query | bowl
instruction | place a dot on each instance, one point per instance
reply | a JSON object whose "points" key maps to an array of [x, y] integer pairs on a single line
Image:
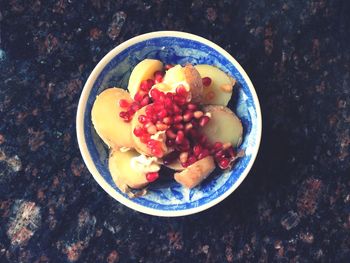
{"points": [[171, 47]]}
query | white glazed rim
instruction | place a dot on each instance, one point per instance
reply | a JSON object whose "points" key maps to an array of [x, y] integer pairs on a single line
{"points": [[81, 136]]}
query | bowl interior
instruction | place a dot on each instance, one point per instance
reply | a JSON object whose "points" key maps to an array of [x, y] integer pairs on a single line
{"points": [[167, 196]]}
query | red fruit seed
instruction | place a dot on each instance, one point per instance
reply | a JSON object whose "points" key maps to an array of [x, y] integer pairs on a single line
{"points": [[151, 177], [206, 81], [124, 103]]}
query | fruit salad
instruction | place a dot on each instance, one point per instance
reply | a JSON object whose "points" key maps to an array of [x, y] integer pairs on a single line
{"points": [[173, 116]]}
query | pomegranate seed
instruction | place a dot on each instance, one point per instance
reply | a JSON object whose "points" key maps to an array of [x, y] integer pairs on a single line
{"points": [[170, 142], [197, 149], [146, 85], [178, 126], [157, 152], [181, 90], [143, 119], [179, 137], [144, 101], [185, 145], [191, 160], [168, 66], [206, 81], [161, 126], [191, 106], [217, 146], [224, 163], [124, 115], [152, 129], [149, 111], [187, 116], [203, 121], [139, 95], [162, 114], [169, 133], [135, 106], [176, 109], [155, 94], [188, 127], [179, 100], [177, 118], [151, 177], [138, 131], [161, 97], [167, 120], [203, 154], [171, 157], [124, 103], [183, 157], [158, 76], [168, 103], [220, 155], [197, 114]]}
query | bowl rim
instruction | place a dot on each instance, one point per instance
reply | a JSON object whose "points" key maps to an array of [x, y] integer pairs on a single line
{"points": [[81, 135]]}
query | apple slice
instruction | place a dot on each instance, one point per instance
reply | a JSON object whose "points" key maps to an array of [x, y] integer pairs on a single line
{"points": [[140, 146], [219, 91], [122, 172], [187, 76], [143, 71], [224, 126], [105, 117], [194, 174]]}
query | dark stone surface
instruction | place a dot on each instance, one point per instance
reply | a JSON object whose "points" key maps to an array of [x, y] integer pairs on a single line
{"points": [[293, 207]]}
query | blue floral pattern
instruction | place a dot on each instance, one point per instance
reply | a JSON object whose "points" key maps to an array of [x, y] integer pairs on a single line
{"points": [[173, 50]]}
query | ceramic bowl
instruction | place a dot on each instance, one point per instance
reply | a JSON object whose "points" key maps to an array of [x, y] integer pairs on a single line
{"points": [[171, 47]]}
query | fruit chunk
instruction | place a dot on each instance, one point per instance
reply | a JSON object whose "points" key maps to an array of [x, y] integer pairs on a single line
{"points": [[219, 91], [175, 165], [105, 117], [196, 173], [224, 126], [187, 76], [140, 146], [122, 172], [143, 71]]}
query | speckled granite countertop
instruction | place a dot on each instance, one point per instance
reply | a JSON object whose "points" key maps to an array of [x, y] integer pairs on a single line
{"points": [[293, 207]]}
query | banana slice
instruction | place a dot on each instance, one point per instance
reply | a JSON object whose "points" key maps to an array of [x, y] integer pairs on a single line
{"points": [[122, 172], [219, 92], [224, 126], [194, 174], [105, 117], [143, 71]]}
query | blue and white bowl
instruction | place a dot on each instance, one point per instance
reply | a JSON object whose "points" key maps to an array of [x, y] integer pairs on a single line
{"points": [[171, 47]]}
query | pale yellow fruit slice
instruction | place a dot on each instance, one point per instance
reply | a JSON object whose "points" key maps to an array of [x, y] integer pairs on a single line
{"points": [[224, 126], [140, 146], [194, 174], [187, 76], [143, 71], [219, 92], [105, 117], [122, 172]]}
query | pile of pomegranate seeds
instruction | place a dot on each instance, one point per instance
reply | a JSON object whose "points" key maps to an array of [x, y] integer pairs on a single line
{"points": [[180, 120]]}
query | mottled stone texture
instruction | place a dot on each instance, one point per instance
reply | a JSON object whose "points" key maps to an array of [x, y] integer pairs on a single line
{"points": [[293, 207]]}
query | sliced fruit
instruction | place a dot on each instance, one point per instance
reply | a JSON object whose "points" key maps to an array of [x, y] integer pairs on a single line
{"points": [[142, 147], [194, 174], [143, 71], [224, 126], [187, 76], [122, 172], [105, 117], [175, 165], [218, 90]]}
